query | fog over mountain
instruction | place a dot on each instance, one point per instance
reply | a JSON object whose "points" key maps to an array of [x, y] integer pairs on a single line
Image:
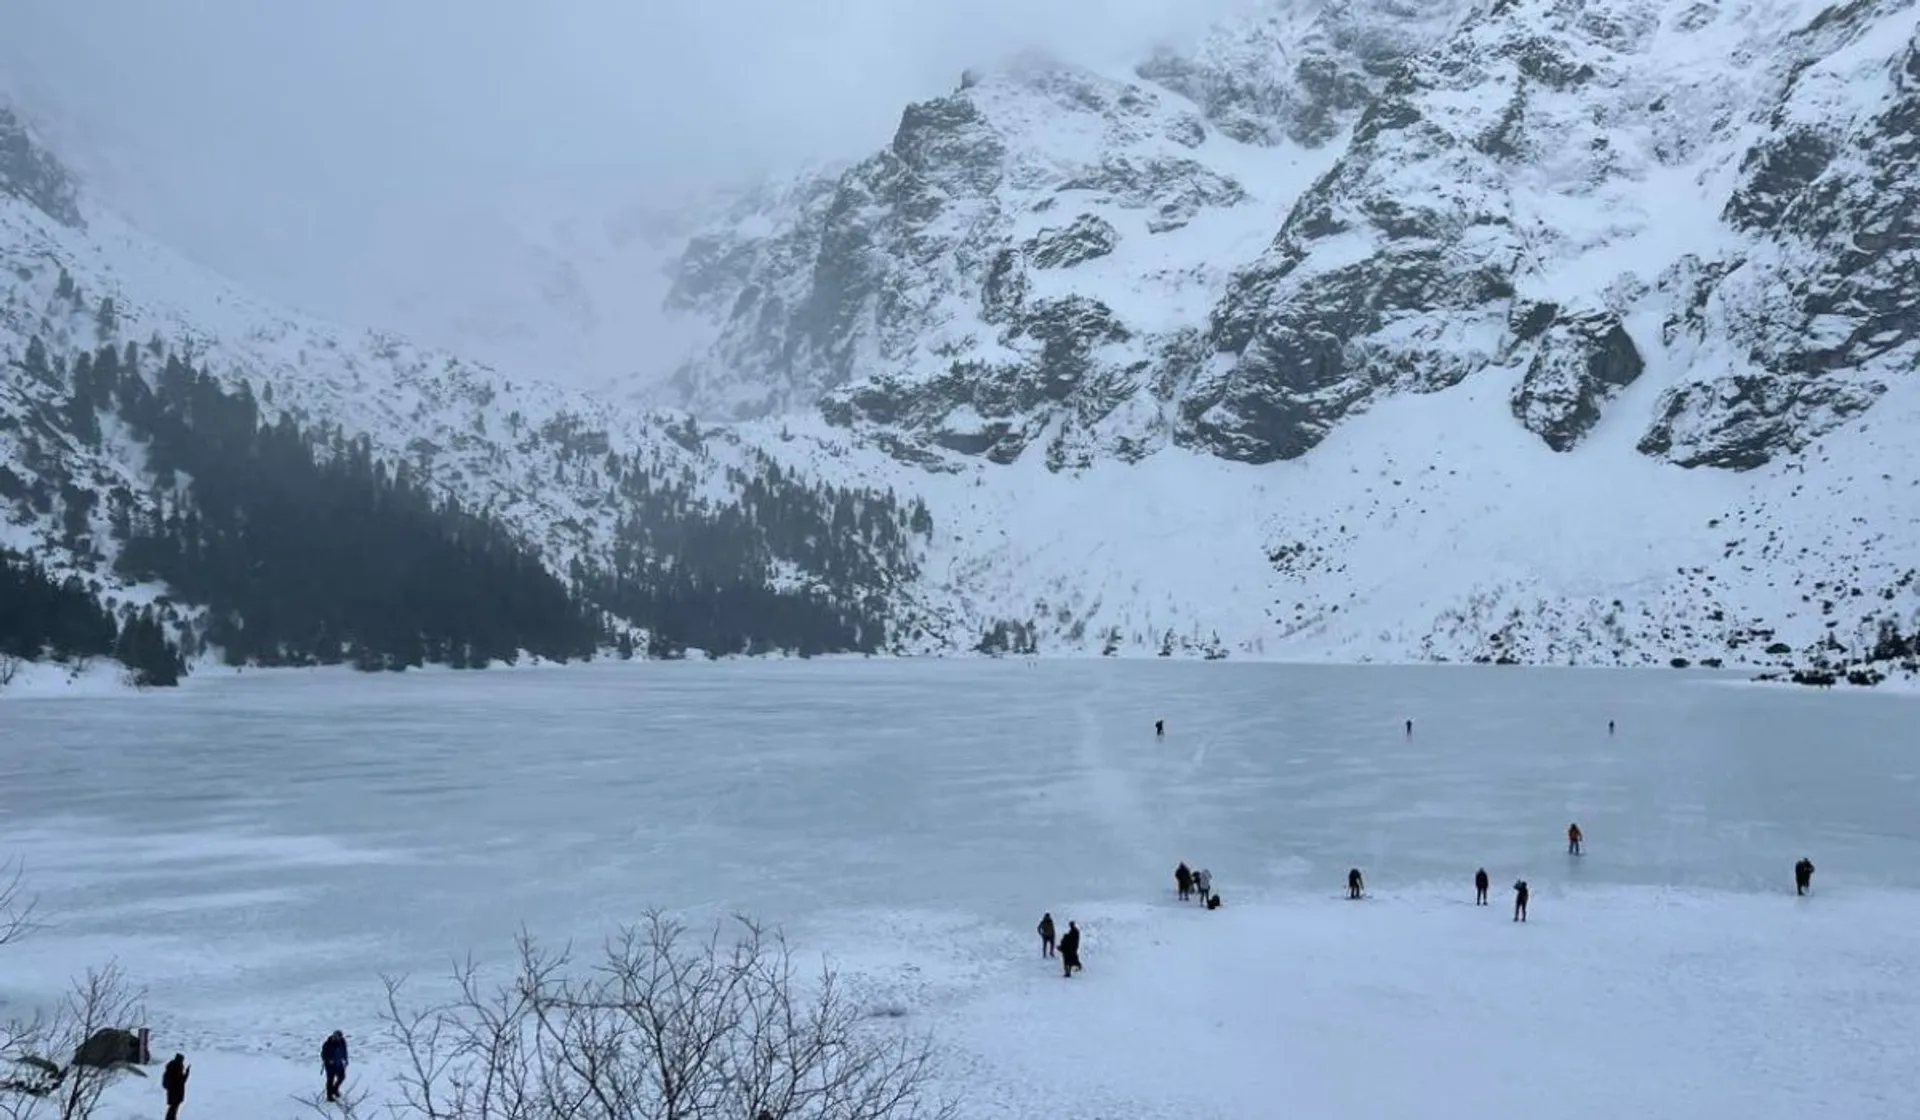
{"points": [[411, 165]]}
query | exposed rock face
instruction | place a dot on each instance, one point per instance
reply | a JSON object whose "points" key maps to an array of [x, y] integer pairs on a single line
{"points": [[1395, 271], [1826, 304], [1742, 421], [1300, 71], [917, 289], [1089, 237], [1330, 205], [1579, 363]]}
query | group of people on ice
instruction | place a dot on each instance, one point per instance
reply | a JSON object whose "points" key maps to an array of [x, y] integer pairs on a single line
{"points": [[1189, 883], [333, 1062], [1357, 886], [1067, 949]]}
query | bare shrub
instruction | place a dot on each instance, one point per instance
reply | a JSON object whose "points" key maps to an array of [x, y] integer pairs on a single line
{"points": [[54, 1072], [663, 1026]]}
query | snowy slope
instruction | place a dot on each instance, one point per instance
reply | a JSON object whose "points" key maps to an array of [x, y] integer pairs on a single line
{"points": [[1415, 532]]}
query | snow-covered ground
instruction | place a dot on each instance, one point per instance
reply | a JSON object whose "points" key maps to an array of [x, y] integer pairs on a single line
{"points": [[258, 849]]}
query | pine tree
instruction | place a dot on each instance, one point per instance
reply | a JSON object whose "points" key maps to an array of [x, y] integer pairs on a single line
{"points": [[36, 363]]}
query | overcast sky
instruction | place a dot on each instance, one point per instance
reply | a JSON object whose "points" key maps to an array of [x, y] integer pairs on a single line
{"points": [[292, 142]]}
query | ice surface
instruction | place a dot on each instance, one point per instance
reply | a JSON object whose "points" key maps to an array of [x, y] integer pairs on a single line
{"points": [[257, 850]]}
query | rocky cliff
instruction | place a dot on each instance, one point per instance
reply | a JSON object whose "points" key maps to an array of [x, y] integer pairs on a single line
{"points": [[1237, 247]]}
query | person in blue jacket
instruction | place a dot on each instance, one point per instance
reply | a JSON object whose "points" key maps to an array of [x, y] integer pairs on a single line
{"points": [[333, 1058]]}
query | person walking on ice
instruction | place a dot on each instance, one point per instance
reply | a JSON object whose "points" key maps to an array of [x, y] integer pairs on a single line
{"points": [[1355, 885], [1803, 876], [1203, 882], [1046, 935], [1183, 881], [173, 1080], [1480, 887], [1520, 893], [333, 1059], [1573, 839], [1160, 728], [1070, 951]]}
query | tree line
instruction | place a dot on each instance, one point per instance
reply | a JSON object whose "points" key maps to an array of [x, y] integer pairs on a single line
{"points": [[42, 617], [300, 546], [306, 552]]}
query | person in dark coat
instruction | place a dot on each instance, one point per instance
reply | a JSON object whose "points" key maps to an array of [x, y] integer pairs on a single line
{"points": [[1480, 887], [1355, 885], [1803, 876], [333, 1059], [1183, 880], [1520, 893], [1574, 837], [1409, 727], [1070, 951], [173, 1080], [1046, 934], [1160, 727]]}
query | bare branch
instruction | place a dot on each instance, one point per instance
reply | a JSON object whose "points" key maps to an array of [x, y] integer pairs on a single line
{"points": [[665, 1025], [349, 1106], [16, 907]]}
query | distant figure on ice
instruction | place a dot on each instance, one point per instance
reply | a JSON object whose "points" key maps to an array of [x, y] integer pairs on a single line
{"points": [[1183, 881], [1213, 902], [1609, 727], [1520, 893], [1203, 882], [174, 1081], [1573, 839], [333, 1059], [1409, 727], [1046, 935], [1803, 876], [1159, 727], [1070, 951], [1480, 887], [1355, 885]]}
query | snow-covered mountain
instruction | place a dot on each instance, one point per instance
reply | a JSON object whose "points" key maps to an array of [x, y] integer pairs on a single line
{"points": [[1537, 330], [1567, 291], [587, 484], [1236, 251]]}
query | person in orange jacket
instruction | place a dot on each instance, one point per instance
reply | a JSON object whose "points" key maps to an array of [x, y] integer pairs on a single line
{"points": [[1573, 839]]}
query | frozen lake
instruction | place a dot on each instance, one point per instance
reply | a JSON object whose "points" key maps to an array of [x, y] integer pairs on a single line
{"points": [[258, 849]]}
